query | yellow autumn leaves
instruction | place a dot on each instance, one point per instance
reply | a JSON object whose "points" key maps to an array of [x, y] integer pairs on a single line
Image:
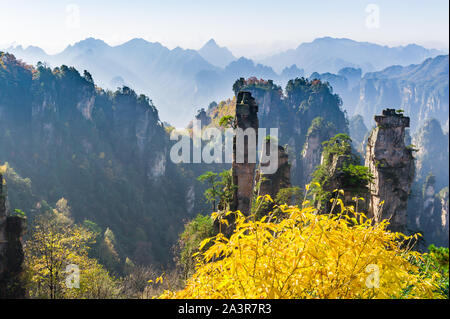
{"points": [[157, 280], [308, 255]]}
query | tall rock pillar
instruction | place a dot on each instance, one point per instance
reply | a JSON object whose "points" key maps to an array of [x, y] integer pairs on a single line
{"points": [[244, 172], [392, 165]]}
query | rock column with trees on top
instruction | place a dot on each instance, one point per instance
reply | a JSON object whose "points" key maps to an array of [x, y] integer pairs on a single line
{"points": [[391, 163]]}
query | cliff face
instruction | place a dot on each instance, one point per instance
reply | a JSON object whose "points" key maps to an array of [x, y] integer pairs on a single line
{"points": [[429, 212], [444, 229], [358, 132], [434, 218], [421, 90], [311, 156], [11, 252], [427, 206], [392, 166], [432, 152], [271, 184], [105, 152]]}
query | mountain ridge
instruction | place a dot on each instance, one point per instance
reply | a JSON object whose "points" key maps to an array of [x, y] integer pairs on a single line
{"points": [[343, 50], [215, 54], [180, 80]]}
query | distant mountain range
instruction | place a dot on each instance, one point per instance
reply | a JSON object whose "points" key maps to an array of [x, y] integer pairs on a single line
{"points": [[168, 76], [331, 54], [182, 80]]}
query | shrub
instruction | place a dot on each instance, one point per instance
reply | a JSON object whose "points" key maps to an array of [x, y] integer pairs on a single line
{"points": [[194, 233], [309, 255]]}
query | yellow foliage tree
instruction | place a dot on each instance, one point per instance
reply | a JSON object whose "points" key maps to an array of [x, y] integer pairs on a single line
{"points": [[56, 243], [308, 255]]}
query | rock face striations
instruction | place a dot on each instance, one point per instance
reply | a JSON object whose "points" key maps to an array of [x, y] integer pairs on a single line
{"points": [[11, 253], [432, 152], [428, 213], [319, 131], [392, 165], [271, 184]]}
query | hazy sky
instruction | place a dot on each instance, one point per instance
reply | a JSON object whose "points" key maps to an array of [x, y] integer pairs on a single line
{"points": [[247, 27]]}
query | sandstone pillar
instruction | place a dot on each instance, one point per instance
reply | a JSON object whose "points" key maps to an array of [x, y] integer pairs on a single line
{"points": [[392, 165], [244, 173]]}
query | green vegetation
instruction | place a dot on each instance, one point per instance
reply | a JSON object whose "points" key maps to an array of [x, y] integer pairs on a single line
{"points": [[436, 260], [220, 191], [195, 231], [19, 213], [289, 196], [254, 84], [20, 194], [318, 124], [311, 93], [226, 121], [213, 192], [358, 175], [351, 175]]}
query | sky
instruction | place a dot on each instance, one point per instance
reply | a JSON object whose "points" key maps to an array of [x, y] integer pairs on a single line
{"points": [[247, 27]]}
